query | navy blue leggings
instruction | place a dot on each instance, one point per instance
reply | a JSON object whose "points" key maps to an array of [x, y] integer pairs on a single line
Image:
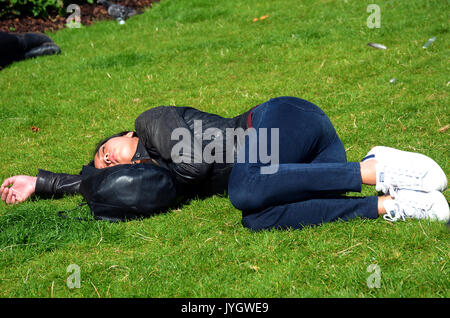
{"points": [[306, 185]]}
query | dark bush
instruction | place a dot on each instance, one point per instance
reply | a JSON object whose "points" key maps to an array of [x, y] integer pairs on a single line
{"points": [[35, 8]]}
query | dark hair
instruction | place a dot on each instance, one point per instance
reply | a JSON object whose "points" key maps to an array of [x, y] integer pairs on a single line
{"points": [[103, 141]]}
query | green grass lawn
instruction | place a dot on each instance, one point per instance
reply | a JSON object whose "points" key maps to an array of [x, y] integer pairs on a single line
{"points": [[210, 55]]}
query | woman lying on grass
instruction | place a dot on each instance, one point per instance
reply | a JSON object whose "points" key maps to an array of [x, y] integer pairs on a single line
{"points": [[301, 183]]}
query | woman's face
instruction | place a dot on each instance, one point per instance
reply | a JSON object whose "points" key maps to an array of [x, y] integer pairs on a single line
{"points": [[116, 151]]}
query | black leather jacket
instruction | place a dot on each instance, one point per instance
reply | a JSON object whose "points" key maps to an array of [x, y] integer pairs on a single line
{"points": [[154, 128]]}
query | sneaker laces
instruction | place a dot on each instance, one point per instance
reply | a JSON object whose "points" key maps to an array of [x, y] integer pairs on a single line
{"points": [[403, 178], [392, 191], [402, 209], [388, 189]]}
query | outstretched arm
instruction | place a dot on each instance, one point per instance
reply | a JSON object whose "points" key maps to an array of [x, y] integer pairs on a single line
{"points": [[50, 183], [19, 188]]}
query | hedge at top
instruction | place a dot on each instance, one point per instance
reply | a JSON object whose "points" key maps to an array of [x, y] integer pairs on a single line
{"points": [[35, 8]]}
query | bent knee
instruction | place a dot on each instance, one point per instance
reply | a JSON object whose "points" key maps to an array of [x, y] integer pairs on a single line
{"points": [[238, 194], [242, 192]]}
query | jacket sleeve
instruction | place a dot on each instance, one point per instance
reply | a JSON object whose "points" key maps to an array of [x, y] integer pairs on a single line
{"points": [[156, 127], [49, 183]]}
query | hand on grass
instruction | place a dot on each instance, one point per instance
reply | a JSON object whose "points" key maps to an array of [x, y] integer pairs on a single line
{"points": [[22, 187]]}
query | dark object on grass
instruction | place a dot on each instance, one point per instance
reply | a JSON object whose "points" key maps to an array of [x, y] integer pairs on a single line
{"points": [[117, 11], [48, 48], [17, 47], [32, 40]]}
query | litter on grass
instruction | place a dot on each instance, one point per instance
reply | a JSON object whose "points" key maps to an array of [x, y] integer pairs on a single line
{"points": [[377, 46], [444, 128], [429, 42], [261, 18], [392, 80]]}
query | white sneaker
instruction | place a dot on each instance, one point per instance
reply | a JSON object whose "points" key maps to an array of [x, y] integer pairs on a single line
{"points": [[417, 205], [396, 169]]}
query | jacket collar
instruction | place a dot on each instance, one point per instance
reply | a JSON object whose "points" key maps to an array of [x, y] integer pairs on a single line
{"points": [[141, 152]]}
